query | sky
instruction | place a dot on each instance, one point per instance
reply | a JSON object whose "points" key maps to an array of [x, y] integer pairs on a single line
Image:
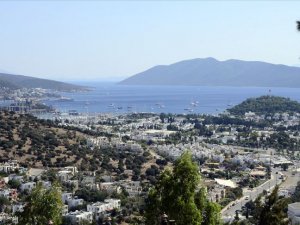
{"points": [[112, 40]]}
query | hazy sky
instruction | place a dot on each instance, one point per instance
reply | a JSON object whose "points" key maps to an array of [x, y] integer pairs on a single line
{"points": [[98, 40]]}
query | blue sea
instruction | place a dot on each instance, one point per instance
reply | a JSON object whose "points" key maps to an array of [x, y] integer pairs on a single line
{"points": [[111, 97]]}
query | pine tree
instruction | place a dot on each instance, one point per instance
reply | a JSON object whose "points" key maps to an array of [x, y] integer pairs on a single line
{"points": [[272, 213], [176, 195], [42, 206]]}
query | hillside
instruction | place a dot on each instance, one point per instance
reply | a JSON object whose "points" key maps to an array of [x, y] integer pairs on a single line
{"points": [[266, 104], [42, 143], [35, 142], [19, 81], [211, 72]]}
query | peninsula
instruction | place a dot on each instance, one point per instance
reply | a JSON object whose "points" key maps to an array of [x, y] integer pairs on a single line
{"points": [[211, 72]]}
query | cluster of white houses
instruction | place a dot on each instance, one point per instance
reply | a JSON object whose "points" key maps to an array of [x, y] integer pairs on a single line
{"points": [[94, 211], [88, 212]]}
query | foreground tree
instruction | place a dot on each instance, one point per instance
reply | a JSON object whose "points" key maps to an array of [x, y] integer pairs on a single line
{"points": [[176, 195], [269, 210], [42, 206], [274, 210]]}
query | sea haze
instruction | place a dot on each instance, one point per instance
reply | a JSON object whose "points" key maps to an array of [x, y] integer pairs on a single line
{"points": [[111, 97]]}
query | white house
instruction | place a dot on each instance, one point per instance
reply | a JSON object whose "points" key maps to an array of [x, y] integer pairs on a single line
{"points": [[132, 187], [74, 202], [99, 209], [79, 216], [9, 193], [27, 186], [64, 175], [294, 213], [66, 196], [9, 166], [113, 203], [17, 208], [65, 210], [46, 184], [72, 169]]}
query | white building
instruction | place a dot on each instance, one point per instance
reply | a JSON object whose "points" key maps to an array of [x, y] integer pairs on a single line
{"points": [[113, 203], [132, 187], [74, 202], [65, 210], [17, 208], [9, 166], [110, 187], [6, 218], [284, 193], [72, 169], [79, 216], [66, 196], [9, 193], [64, 175], [99, 209], [294, 213], [46, 184], [28, 186]]}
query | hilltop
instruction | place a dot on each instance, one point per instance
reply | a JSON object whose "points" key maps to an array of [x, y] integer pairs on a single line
{"points": [[211, 72], [265, 105], [11, 81]]}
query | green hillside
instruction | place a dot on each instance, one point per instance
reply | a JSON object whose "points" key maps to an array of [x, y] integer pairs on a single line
{"points": [[266, 104], [19, 81]]}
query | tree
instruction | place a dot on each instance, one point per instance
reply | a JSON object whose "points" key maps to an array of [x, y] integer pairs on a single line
{"points": [[298, 25], [296, 195], [175, 194], [285, 167], [4, 202], [212, 214], [273, 212], [42, 206], [14, 184]]}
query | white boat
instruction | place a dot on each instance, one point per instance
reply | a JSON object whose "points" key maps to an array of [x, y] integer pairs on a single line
{"points": [[64, 99]]}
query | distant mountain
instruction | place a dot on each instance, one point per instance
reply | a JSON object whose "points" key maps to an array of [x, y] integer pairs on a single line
{"points": [[211, 72], [266, 105], [20, 81]]}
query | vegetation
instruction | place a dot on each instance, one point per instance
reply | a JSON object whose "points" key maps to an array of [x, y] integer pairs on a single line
{"points": [[42, 206], [266, 210], [4, 202], [90, 195], [266, 104], [176, 195], [296, 195], [43, 143], [232, 194], [18, 82]]}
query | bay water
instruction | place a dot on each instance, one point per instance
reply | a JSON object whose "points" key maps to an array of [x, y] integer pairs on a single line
{"points": [[115, 98]]}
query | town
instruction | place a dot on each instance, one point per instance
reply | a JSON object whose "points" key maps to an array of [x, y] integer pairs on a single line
{"points": [[111, 162]]}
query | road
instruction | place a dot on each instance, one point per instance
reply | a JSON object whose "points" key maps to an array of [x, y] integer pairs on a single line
{"points": [[228, 212]]}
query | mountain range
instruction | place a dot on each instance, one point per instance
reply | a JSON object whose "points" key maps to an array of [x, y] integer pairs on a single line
{"points": [[19, 81], [211, 72]]}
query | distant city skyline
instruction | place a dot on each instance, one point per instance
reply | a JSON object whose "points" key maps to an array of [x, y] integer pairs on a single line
{"points": [[102, 40]]}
